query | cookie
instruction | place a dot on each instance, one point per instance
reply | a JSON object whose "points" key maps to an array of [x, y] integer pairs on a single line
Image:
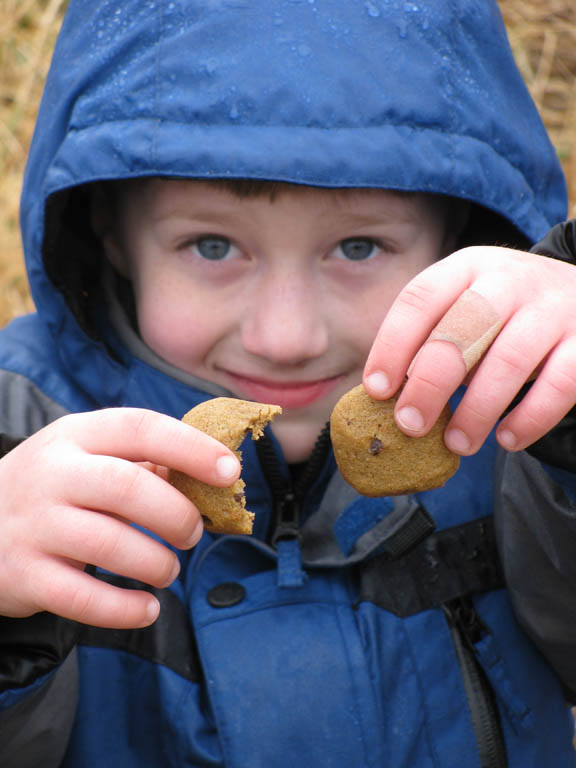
{"points": [[376, 458], [229, 420]]}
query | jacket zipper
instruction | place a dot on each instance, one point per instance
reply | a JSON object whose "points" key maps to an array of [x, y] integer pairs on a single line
{"points": [[287, 495], [466, 629]]}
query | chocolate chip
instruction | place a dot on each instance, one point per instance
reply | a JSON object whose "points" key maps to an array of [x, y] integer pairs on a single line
{"points": [[238, 498], [375, 446]]}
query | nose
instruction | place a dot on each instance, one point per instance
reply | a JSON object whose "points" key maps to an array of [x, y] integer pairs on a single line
{"points": [[286, 323]]}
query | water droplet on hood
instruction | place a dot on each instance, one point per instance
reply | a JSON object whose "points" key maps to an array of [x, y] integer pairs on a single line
{"points": [[402, 27], [372, 9], [210, 66]]}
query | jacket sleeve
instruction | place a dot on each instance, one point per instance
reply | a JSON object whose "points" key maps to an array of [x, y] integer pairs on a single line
{"points": [[38, 683], [559, 243], [558, 447], [536, 522], [535, 519], [38, 690]]}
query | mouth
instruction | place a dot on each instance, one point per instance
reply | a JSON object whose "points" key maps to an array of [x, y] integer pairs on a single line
{"points": [[287, 394]]}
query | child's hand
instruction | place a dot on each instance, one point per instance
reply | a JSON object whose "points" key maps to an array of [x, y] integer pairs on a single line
{"points": [[523, 303], [68, 497]]}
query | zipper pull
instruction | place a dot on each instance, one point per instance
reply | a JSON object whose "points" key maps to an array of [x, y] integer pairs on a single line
{"points": [[286, 540], [287, 516], [287, 499], [461, 615]]}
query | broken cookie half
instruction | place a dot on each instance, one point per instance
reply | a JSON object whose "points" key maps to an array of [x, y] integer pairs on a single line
{"points": [[228, 420]]}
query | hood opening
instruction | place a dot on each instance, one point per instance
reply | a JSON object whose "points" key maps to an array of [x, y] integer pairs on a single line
{"points": [[73, 256], [485, 227]]}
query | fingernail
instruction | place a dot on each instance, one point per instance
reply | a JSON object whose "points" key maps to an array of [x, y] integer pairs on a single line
{"points": [[411, 366], [378, 384], [173, 573], [152, 611], [507, 439], [196, 536], [457, 441], [227, 467], [175, 570], [410, 418]]}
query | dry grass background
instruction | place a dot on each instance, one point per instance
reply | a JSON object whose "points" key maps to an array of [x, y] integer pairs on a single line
{"points": [[542, 33]]}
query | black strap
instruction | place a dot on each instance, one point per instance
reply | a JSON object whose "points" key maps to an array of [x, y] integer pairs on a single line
{"points": [[32, 647], [169, 641], [413, 529], [452, 563]]}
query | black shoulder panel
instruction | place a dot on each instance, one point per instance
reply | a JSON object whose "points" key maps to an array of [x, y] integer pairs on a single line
{"points": [[452, 563]]}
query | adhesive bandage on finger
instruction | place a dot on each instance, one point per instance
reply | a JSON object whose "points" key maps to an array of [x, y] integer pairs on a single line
{"points": [[471, 324]]}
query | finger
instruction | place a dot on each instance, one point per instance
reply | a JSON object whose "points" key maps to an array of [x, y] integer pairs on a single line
{"points": [[413, 315], [75, 595], [156, 469], [452, 350], [140, 435], [550, 398], [471, 324], [131, 492], [103, 541], [517, 352], [437, 375]]}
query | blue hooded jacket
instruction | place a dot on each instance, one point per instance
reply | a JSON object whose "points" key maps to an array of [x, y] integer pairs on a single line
{"points": [[381, 93], [271, 655]]}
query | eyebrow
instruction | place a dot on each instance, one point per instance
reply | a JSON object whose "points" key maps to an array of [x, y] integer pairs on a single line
{"points": [[376, 218], [195, 213], [381, 212]]}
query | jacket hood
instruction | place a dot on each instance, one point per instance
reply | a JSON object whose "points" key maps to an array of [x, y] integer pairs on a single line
{"points": [[382, 93]]}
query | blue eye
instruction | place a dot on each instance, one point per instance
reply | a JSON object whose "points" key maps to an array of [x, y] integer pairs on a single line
{"points": [[213, 248], [357, 248]]}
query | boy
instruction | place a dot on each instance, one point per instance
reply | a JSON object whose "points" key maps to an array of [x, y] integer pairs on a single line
{"points": [[354, 147]]}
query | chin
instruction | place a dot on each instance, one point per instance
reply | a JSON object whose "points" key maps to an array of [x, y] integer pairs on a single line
{"points": [[296, 447], [296, 456]]}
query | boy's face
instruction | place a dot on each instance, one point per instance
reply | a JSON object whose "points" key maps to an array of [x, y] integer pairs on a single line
{"points": [[276, 300]]}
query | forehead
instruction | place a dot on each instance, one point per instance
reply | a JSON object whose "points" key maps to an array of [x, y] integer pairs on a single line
{"points": [[178, 195]]}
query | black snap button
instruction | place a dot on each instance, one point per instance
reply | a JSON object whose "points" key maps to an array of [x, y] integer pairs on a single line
{"points": [[225, 595]]}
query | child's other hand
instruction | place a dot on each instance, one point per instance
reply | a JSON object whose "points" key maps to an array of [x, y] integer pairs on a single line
{"points": [[69, 496], [524, 303]]}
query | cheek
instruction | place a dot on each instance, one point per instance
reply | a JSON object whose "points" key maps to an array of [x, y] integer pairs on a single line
{"points": [[366, 313], [380, 296], [367, 309], [176, 327]]}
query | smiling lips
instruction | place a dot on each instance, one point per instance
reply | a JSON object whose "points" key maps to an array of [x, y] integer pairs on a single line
{"points": [[296, 394]]}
